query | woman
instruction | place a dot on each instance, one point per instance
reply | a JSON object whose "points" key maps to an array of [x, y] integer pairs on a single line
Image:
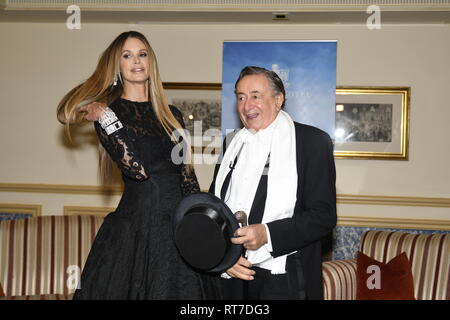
{"points": [[133, 255]]}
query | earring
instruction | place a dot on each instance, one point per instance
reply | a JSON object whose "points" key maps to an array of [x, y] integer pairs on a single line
{"points": [[115, 81]]}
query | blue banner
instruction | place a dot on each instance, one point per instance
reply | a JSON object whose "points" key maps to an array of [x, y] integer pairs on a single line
{"points": [[308, 71]]}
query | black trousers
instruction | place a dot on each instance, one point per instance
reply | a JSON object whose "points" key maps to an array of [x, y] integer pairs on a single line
{"points": [[267, 286]]}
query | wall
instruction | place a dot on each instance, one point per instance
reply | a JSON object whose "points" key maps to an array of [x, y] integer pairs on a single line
{"points": [[40, 62]]}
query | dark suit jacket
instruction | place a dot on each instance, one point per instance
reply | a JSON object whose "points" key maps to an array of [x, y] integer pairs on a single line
{"points": [[315, 210]]}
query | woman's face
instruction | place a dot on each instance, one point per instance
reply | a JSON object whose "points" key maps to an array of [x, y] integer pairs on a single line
{"points": [[134, 61]]}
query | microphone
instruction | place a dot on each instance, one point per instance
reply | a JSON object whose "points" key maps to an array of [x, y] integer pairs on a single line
{"points": [[241, 217]]}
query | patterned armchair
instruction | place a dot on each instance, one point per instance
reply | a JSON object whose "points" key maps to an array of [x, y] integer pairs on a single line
{"points": [[429, 255], [40, 257]]}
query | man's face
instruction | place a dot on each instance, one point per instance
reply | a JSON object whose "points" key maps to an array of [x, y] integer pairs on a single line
{"points": [[257, 104]]}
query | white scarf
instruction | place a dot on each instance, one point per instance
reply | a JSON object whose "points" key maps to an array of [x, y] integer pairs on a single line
{"points": [[278, 140]]}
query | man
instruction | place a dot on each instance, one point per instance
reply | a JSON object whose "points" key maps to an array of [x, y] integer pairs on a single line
{"points": [[282, 174]]}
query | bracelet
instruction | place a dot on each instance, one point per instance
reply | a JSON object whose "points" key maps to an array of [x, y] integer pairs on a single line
{"points": [[113, 127], [107, 118]]}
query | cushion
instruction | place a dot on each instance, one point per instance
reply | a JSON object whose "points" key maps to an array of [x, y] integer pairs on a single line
{"points": [[384, 281]]}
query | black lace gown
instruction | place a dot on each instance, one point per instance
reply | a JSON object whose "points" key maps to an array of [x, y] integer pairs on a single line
{"points": [[134, 255]]}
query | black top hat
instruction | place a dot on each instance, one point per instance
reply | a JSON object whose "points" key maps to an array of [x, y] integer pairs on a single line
{"points": [[203, 226]]}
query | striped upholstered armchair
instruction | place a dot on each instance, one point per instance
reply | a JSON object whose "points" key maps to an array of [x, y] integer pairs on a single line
{"points": [[41, 257], [429, 256]]}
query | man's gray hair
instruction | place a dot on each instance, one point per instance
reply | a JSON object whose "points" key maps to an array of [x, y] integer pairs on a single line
{"points": [[274, 80]]}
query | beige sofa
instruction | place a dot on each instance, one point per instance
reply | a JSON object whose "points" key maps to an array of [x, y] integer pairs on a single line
{"points": [[429, 255], [41, 257]]}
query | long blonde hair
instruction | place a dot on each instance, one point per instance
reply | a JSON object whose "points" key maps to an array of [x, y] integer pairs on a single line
{"points": [[99, 87]]}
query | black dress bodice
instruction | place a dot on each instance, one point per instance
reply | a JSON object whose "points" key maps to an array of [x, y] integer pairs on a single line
{"points": [[142, 147]]}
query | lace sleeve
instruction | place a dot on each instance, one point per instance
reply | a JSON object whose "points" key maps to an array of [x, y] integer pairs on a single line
{"points": [[189, 182], [122, 152]]}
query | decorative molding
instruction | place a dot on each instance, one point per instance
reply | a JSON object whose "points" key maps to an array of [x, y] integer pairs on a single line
{"points": [[395, 223], [33, 209], [228, 11], [80, 210], [192, 85], [226, 5], [118, 189], [393, 201], [61, 188], [381, 222]]}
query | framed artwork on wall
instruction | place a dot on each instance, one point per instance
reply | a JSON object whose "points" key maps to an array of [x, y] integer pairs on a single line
{"points": [[200, 104], [372, 123]]}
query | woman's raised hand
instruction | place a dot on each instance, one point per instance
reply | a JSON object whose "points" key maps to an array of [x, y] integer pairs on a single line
{"points": [[93, 110]]}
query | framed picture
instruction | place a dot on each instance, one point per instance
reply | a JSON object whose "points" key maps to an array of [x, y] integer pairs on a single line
{"points": [[372, 123], [200, 104]]}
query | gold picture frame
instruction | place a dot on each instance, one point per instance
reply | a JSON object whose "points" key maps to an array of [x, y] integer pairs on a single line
{"points": [[198, 101], [372, 123]]}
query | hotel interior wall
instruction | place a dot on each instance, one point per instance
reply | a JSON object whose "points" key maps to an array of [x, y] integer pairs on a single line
{"points": [[39, 62]]}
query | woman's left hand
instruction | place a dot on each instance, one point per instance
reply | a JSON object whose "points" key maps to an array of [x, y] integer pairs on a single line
{"points": [[93, 110]]}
